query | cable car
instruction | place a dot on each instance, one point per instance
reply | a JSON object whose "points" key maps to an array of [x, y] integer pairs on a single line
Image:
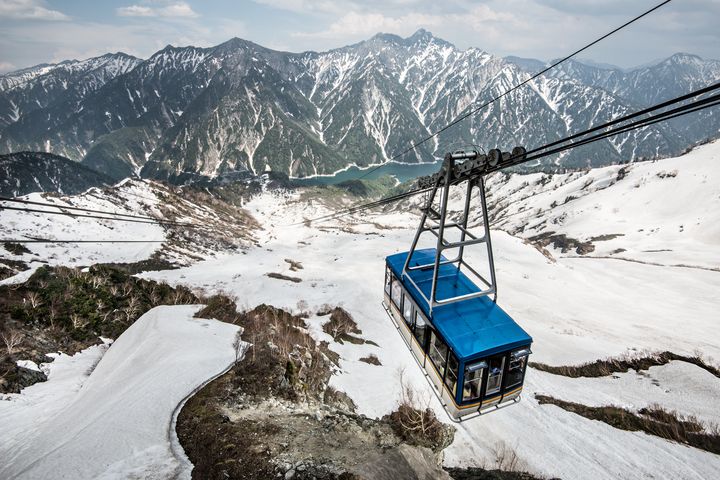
{"points": [[471, 351]]}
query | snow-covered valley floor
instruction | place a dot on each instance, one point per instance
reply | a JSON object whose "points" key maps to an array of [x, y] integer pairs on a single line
{"points": [[577, 309]]}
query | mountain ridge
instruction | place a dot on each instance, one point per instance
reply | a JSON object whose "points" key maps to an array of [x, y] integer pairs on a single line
{"points": [[28, 172], [189, 113]]}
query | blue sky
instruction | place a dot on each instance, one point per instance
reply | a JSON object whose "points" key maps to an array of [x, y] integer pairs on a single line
{"points": [[38, 31]]}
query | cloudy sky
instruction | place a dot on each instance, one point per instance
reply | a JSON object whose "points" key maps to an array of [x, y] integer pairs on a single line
{"points": [[39, 31]]}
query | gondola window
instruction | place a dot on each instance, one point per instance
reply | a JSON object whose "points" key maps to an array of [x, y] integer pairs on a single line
{"points": [[473, 380], [495, 375], [452, 371], [516, 370], [420, 329], [407, 310], [438, 353], [396, 292]]}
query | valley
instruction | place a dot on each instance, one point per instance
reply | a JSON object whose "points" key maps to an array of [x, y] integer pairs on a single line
{"points": [[612, 262]]}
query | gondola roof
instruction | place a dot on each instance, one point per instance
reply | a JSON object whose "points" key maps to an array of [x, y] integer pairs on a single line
{"points": [[473, 328]]}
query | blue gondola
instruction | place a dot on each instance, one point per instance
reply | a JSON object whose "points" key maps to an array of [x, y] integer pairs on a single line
{"points": [[471, 350]]}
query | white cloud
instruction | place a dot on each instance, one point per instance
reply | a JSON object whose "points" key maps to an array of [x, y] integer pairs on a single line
{"points": [[135, 11], [7, 67], [24, 45], [305, 6], [354, 24], [29, 10], [174, 10]]}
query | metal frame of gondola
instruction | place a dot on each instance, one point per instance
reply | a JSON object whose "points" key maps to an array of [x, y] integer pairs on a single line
{"points": [[435, 221]]}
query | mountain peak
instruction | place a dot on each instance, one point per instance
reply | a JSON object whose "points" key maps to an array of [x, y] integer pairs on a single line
{"points": [[387, 37], [421, 34], [425, 37], [682, 57]]}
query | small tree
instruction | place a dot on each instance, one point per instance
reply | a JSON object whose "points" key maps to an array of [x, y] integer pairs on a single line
{"points": [[97, 282], [127, 288], [34, 300], [53, 312], [12, 339], [77, 320], [133, 307]]}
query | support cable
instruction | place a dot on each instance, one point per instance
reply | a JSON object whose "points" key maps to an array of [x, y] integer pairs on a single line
{"points": [[81, 209]]}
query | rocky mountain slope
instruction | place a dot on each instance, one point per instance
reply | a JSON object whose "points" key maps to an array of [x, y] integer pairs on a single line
{"points": [[191, 113], [26, 172]]}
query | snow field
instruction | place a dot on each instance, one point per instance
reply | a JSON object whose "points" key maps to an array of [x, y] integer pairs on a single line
{"points": [[576, 309], [116, 422]]}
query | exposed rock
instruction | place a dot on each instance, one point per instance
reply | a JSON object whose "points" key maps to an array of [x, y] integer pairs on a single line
{"points": [[274, 416]]}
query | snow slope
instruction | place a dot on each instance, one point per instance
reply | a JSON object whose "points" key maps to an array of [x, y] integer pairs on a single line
{"points": [[577, 309], [216, 225], [118, 421], [666, 212]]}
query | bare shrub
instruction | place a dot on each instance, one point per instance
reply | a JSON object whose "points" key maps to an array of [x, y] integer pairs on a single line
{"points": [[372, 359], [303, 308], [12, 339], [341, 325], [77, 321], [506, 458], [416, 423], [133, 307], [33, 299]]}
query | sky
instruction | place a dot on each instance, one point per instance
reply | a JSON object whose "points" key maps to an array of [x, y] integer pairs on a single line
{"points": [[47, 31]]}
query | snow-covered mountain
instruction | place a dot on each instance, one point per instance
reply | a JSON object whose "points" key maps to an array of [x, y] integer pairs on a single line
{"points": [[36, 99], [189, 113]]}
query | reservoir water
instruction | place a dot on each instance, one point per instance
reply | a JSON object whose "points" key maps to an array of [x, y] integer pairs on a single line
{"points": [[402, 171]]}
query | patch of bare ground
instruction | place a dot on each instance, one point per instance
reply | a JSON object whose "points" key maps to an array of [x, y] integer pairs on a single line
{"points": [[280, 276], [219, 221], [154, 263], [16, 248], [372, 359], [562, 242], [294, 266], [653, 420], [6, 272], [342, 327], [609, 366], [273, 415], [474, 473]]}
